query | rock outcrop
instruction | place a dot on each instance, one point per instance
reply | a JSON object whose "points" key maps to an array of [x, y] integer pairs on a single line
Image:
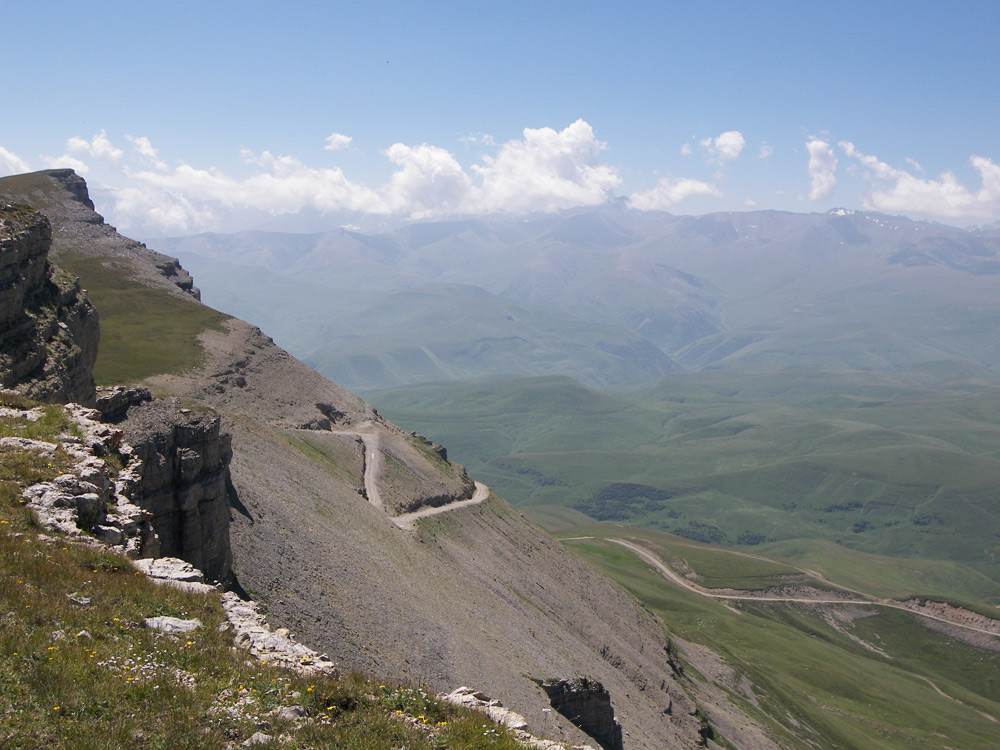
{"points": [[48, 328], [89, 498], [169, 499], [183, 482], [587, 704]]}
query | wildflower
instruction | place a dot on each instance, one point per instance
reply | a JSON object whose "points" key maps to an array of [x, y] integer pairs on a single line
{"points": [[56, 708]]}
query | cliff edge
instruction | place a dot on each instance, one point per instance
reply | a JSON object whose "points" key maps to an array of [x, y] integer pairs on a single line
{"points": [[48, 328]]}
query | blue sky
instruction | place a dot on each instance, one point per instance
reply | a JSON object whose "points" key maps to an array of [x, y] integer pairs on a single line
{"points": [[185, 116]]}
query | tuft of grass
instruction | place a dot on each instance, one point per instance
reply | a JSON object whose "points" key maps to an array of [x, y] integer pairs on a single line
{"points": [[16, 401], [144, 331], [53, 422]]}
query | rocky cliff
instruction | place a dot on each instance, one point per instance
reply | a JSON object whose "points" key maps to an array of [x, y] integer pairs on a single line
{"points": [[183, 482], [48, 328], [587, 704]]}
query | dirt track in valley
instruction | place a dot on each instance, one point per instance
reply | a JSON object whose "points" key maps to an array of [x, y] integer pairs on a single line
{"points": [[701, 591]]}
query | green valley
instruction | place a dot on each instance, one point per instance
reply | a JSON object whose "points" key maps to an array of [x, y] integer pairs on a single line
{"points": [[858, 675], [900, 464]]}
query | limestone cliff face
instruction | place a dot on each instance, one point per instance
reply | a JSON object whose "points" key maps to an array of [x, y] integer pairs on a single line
{"points": [[48, 328], [183, 482], [587, 704]]}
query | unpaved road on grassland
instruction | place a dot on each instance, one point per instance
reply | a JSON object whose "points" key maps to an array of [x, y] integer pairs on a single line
{"points": [[672, 576]]}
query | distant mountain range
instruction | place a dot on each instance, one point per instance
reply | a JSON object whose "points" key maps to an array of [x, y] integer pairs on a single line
{"points": [[612, 296]]}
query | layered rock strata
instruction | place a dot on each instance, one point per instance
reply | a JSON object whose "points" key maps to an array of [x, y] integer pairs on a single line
{"points": [[183, 482], [48, 328]]}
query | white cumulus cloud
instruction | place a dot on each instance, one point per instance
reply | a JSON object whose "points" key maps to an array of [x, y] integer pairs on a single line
{"points": [[670, 191], [99, 146], [284, 185], [725, 147], [546, 171], [429, 181], [144, 148], [898, 191], [66, 162], [822, 169], [162, 210], [337, 142], [11, 163]]}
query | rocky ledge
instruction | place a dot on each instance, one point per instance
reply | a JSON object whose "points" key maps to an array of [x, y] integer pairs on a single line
{"points": [[168, 498], [48, 328]]}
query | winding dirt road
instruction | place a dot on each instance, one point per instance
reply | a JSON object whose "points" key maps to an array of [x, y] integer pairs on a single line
{"points": [[374, 465], [872, 601], [407, 520]]}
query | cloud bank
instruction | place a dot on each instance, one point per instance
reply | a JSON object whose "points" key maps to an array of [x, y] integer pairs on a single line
{"points": [[543, 170], [898, 191], [669, 192]]}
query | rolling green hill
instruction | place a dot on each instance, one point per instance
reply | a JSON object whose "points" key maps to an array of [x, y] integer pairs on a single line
{"points": [[902, 464]]}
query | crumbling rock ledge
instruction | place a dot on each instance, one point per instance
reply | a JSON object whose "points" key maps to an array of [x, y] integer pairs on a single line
{"points": [[494, 709], [88, 498], [170, 498], [252, 632], [48, 328]]}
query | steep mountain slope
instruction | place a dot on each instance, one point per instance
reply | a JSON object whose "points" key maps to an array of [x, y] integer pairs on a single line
{"points": [[474, 595]]}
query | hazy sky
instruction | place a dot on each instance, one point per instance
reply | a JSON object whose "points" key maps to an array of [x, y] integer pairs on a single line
{"points": [[200, 115]]}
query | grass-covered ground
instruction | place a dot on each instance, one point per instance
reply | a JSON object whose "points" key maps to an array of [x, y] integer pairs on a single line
{"points": [[819, 676], [79, 670], [144, 331], [903, 464]]}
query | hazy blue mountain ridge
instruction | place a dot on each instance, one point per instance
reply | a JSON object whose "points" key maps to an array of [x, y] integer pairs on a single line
{"points": [[612, 295]]}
